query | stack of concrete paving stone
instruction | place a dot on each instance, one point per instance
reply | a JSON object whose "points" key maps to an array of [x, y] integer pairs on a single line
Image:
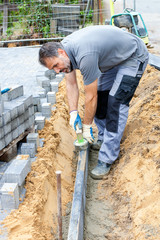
{"points": [[12, 181], [16, 115], [30, 147], [46, 97]]}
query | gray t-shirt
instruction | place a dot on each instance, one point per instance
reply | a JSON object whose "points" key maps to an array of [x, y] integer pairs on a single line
{"points": [[97, 49]]}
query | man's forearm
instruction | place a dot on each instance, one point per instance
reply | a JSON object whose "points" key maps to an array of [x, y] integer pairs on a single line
{"points": [[90, 110], [90, 102], [72, 91]]}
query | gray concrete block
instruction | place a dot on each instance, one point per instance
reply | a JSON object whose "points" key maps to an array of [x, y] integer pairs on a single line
{"points": [[42, 94], [9, 196], [40, 122], [15, 133], [31, 121], [17, 171], [21, 119], [8, 138], [50, 74], [48, 89], [43, 100], [43, 82], [1, 133], [33, 138], [3, 167], [6, 116], [26, 124], [28, 149], [39, 79], [23, 157], [21, 108], [26, 115], [37, 114], [22, 195], [7, 128], [1, 122], [14, 124], [36, 99], [14, 93], [21, 129], [2, 143], [1, 107], [59, 77], [31, 110], [54, 86], [27, 100], [51, 97], [46, 110], [12, 107]]}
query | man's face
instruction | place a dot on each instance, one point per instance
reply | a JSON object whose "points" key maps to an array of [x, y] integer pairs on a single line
{"points": [[60, 63]]}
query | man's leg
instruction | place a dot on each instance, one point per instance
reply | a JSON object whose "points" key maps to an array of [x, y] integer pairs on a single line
{"points": [[105, 83], [122, 91]]}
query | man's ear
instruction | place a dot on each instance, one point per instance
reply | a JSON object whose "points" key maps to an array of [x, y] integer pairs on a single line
{"points": [[61, 52]]}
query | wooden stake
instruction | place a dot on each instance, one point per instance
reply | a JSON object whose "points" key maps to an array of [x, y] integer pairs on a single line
{"points": [[58, 174]]}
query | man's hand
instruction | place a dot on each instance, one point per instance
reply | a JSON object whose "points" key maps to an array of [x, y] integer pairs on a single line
{"points": [[88, 133], [75, 120]]}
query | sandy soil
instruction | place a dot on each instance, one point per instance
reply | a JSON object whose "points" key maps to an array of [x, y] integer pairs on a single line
{"points": [[36, 217], [125, 205]]}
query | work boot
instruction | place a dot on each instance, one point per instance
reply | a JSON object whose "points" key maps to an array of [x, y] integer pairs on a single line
{"points": [[100, 170], [96, 145]]}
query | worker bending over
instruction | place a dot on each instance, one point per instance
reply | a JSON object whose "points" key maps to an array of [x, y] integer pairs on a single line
{"points": [[112, 62]]}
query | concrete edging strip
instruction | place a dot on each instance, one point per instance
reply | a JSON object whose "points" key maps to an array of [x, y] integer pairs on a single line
{"points": [[76, 225]]}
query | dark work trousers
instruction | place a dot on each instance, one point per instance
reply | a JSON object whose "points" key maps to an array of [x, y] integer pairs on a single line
{"points": [[116, 88]]}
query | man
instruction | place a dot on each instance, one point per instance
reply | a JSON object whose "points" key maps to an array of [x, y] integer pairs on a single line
{"points": [[112, 62]]}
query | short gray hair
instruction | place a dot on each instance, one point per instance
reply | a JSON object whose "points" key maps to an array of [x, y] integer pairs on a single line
{"points": [[49, 49]]}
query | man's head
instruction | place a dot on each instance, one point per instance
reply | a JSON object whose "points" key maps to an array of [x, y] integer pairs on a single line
{"points": [[53, 56]]}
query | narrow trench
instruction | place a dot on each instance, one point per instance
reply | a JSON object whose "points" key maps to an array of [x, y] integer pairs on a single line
{"points": [[103, 217]]}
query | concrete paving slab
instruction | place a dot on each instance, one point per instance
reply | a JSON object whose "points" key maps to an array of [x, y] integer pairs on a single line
{"points": [[28, 149], [54, 86], [31, 121], [7, 128], [6, 116], [8, 138], [33, 138], [40, 121], [17, 171], [14, 124], [15, 92], [12, 107], [15, 133], [51, 97], [9, 196]]}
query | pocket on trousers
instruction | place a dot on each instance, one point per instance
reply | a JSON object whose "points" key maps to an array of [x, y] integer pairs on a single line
{"points": [[112, 116], [102, 103], [127, 88]]}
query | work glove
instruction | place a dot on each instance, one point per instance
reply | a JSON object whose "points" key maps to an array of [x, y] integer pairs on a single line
{"points": [[88, 133], [75, 120]]}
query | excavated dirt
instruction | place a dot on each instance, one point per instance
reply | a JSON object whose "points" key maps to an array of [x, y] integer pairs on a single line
{"points": [[126, 204]]}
